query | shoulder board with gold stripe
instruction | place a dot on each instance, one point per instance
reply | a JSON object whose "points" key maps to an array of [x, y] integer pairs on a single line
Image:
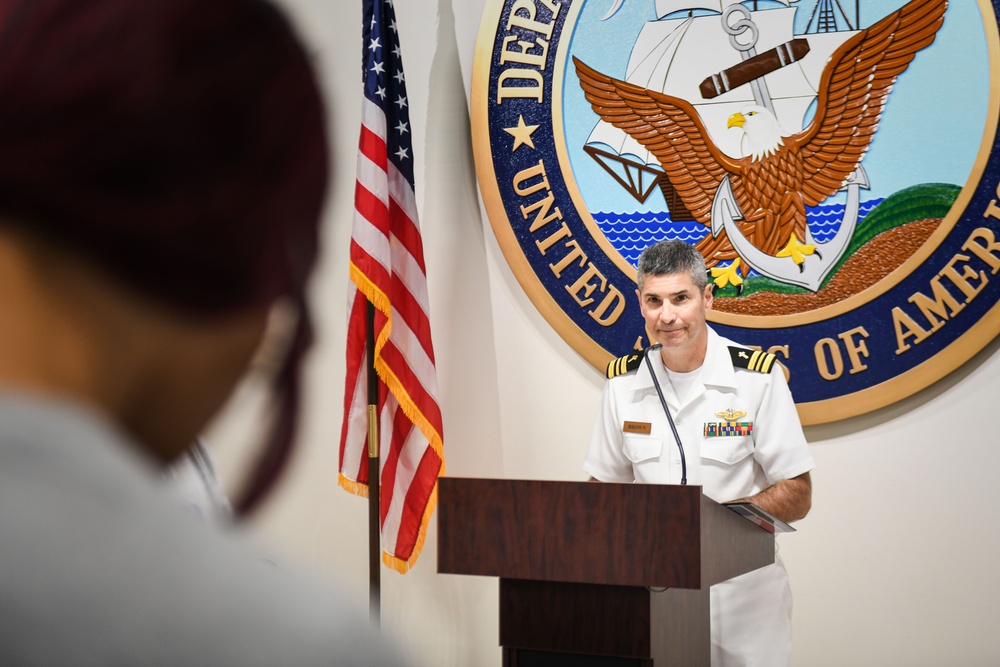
{"points": [[623, 365], [754, 360]]}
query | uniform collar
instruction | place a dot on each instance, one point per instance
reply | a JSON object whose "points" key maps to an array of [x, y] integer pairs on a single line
{"points": [[716, 370]]}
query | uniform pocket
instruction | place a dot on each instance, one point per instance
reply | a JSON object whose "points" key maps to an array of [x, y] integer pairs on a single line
{"points": [[727, 451], [640, 448]]}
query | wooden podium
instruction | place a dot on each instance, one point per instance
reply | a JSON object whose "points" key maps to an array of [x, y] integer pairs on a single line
{"points": [[593, 574]]}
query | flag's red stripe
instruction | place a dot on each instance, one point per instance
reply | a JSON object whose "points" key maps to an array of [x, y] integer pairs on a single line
{"points": [[371, 268], [397, 362], [407, 233], [414, 316], [402, 300], [355, 469], [371, 208], [400, 431], [373, 147], [418, 393], [417, 497], [354, 358]]}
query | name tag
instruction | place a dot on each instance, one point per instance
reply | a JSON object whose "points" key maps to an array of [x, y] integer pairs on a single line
{"points": [[637, 427]]}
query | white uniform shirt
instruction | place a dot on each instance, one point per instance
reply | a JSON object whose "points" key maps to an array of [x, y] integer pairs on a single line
{"points": [[632, 441]]}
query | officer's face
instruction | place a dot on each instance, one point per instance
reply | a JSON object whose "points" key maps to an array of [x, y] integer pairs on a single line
{"points": [[674, 310]]}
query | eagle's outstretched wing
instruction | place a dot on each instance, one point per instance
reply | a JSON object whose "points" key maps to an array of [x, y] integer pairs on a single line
{"points": [[670, 129], [853, 91]]}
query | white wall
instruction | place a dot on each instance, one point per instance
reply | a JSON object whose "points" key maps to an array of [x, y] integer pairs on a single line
{"points": [[896, 565]]}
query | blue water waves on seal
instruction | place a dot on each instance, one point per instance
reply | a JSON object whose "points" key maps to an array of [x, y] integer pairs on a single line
{"points": [[631, 233]]}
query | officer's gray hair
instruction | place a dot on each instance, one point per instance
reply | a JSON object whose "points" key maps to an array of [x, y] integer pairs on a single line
{"points": [[669, 257]]}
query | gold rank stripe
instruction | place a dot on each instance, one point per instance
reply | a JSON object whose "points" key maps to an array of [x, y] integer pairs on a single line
{"points": [[761, 361], [620, 365], [751, 359]]}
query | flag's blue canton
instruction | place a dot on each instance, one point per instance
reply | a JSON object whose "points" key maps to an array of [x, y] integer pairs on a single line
{"points": [[384, 81]]}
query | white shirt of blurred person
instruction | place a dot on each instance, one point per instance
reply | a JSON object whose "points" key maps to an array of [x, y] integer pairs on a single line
{"points": [[193, 482]]}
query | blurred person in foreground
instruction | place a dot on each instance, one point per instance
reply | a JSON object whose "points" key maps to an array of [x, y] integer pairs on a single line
{"points": [[740, 431], [162, 171], [195, 486]]}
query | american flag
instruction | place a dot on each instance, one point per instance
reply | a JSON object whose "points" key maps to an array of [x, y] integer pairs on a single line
{"points": [[387, 268]]}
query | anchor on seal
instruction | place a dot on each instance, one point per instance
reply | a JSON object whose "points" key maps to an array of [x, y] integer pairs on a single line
{"points": [[813, 268]]}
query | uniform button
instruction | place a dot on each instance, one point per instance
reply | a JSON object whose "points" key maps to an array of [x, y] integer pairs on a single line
{"points": [[730, 458]]}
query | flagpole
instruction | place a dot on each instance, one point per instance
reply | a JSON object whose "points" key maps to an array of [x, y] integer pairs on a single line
{"points": [[374, 512]]}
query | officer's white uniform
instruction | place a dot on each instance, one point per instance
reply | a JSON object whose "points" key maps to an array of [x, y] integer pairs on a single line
{"points": [[730, 456]]}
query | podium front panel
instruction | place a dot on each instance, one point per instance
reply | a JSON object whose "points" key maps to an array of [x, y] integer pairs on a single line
{"points": [[616, 534]]}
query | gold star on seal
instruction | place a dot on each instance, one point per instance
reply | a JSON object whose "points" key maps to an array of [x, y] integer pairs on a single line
{"points": [[521, 133]]}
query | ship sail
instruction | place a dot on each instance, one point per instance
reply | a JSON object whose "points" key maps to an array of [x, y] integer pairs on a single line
{"points": [[674, 55]]}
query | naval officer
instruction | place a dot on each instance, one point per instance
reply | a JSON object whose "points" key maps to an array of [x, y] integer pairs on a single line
{"points": [[736, 420]]}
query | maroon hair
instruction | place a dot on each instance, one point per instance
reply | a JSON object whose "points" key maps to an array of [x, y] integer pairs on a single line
{"points": [[179, 144]]}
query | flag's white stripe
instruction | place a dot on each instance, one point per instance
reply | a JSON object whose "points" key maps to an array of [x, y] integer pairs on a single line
{"points": [[406, 467], [372, 242], [391, 253], [373, 178], [373, 118], [355, 445], [390, 412], [412, 350], [402, 193], [409, 272], [383, 185], [367, 235]]}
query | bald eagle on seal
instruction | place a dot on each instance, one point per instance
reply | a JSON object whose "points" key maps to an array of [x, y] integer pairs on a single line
{"points": [[780, 174]]}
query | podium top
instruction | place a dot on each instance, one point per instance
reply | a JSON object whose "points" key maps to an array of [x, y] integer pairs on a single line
{"points": [[592, 532]]}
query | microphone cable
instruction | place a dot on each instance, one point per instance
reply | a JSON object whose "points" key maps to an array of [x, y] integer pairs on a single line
{"points": [[666, 410]]}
